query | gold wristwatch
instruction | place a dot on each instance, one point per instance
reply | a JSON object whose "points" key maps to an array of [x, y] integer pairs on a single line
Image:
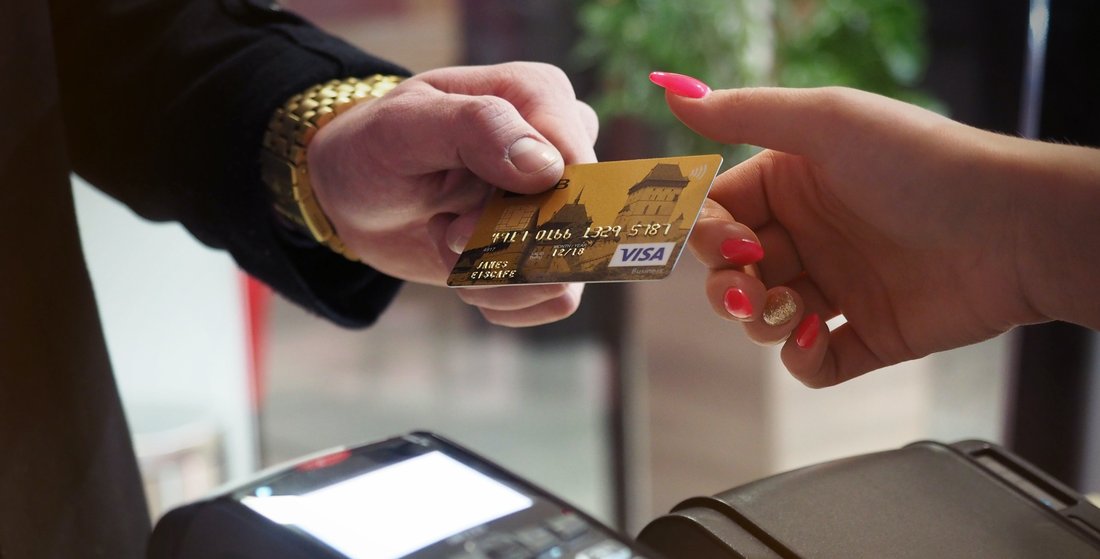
{"points": [[283, 160]]}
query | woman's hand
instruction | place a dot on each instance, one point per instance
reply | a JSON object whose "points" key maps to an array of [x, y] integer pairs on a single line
{"points": [[917, 229]]}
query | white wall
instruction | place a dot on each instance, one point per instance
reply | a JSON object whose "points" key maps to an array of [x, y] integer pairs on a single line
{"points": [[949, 396], [173, 313]]}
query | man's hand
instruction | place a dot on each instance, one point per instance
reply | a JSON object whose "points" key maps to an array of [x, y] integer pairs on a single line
{"points": [[403, 178]]}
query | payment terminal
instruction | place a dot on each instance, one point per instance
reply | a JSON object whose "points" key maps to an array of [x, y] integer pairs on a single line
{"points": [[966, 500], [417, 495], [421, 496]]}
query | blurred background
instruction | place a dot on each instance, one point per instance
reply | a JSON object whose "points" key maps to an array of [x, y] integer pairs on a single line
{"points": [[644, 397]]}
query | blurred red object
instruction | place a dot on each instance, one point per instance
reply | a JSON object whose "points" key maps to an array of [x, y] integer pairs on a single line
{"points": [[257, 300]]}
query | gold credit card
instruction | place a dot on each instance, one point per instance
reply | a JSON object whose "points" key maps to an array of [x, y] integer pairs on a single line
{"points": [[611, 221]]}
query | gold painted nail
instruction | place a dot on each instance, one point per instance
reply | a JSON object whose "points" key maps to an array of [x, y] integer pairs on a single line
{"points": [[779, 308]]}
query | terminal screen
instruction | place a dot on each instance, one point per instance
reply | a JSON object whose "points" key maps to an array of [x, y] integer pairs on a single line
{"points": [[395, 510]]}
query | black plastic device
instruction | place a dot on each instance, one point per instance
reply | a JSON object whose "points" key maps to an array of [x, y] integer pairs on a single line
{"points": [[968, 500], [421, 496], [417, 495]]}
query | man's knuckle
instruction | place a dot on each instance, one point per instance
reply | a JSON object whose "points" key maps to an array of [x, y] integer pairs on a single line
{"points": [[485, 114]]}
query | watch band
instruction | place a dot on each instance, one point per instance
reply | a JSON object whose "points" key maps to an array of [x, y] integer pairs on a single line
{"points": [[283, 160]]}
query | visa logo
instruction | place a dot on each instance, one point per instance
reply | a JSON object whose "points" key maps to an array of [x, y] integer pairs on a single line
{"points": [[642, 254]]}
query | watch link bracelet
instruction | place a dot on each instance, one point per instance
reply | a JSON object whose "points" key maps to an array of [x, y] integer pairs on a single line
{"points": [[283, 160]]}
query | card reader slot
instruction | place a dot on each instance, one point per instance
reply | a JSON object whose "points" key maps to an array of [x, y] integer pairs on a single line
{"points": [[1033, 488], [1035, 484]]}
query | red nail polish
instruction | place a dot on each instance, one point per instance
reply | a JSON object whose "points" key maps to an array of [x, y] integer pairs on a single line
{"points": [[806, 333], [737, 303], [679, 84], [742, 251]]}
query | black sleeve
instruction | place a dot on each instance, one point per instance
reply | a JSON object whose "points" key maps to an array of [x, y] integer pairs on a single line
{"points": [[166, 102]]}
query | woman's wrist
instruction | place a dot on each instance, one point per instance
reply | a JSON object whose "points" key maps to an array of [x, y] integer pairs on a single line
{"points": [[1056, 222]]}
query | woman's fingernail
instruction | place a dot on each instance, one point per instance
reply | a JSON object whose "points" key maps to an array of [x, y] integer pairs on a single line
{"points": [[779, 308], [529, 155], [679, 84], [742, 251], [806, 333], [737, 303]]}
